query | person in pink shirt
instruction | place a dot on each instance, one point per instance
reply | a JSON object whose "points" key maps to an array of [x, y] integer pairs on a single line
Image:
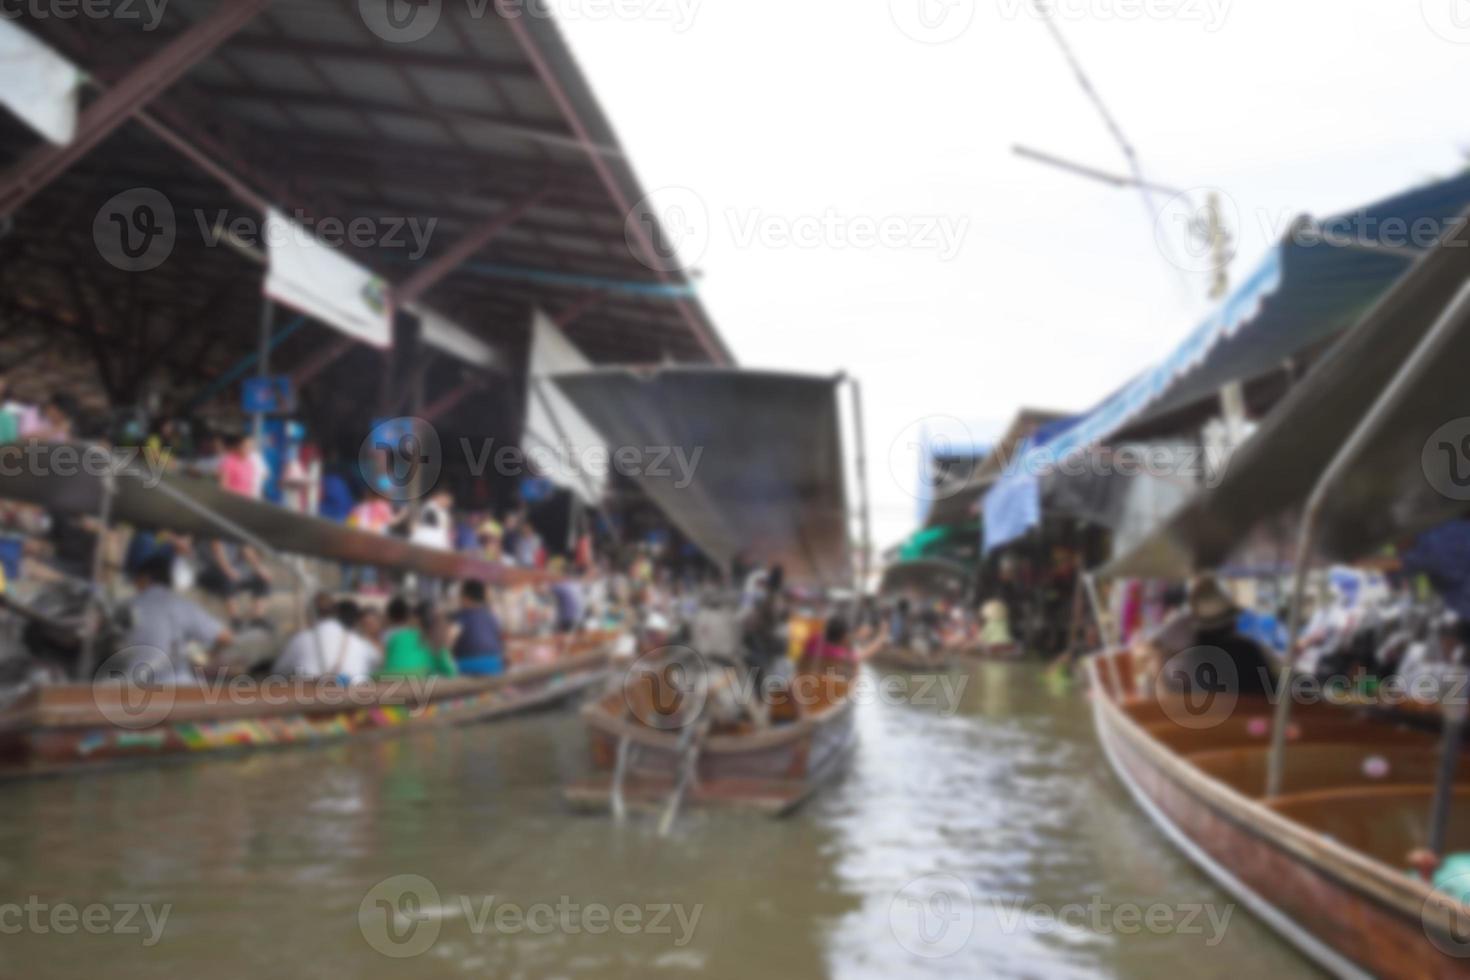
{"points": [[237, 468]]}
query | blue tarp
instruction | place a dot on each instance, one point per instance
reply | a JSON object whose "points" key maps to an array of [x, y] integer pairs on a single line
{"points": [[1303, 292]]}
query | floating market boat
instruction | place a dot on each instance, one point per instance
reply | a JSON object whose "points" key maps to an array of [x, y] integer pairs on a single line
{"points": [[74, 727], [653, 747], [1326, 862], [902, 658]]}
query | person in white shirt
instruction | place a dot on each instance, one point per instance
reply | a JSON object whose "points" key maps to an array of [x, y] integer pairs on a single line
{"points": [[331, 648]]}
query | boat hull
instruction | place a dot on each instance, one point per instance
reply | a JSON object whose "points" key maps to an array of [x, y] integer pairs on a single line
{"points": [[1352, 915], [773, 771], [76, 728]]}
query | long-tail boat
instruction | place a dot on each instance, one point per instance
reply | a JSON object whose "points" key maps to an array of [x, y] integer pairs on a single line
{"points": [[904, 658], [74, 727], [655, 743], [1326, 861]]}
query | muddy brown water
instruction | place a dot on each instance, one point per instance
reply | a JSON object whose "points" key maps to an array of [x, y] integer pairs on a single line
{"points": [[976, 833]]}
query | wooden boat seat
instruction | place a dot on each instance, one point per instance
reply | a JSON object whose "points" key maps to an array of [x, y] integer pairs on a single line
{"points": [[1245, 729], [1384, 822], [1322, 766]]}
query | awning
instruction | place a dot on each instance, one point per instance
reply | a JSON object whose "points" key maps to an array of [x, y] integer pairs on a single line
{"points": [[566, 448], [448, 337], [143, 500], [1403, 482], [930, 577], [1133, 490], [742, 462], [37, 84], [1316, 283]]}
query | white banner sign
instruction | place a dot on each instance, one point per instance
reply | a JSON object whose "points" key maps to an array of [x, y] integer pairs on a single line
{"points": [[37, 84], [315, 279]]}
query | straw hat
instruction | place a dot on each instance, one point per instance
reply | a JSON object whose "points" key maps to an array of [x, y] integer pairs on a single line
{"points": [[1210, 604]]}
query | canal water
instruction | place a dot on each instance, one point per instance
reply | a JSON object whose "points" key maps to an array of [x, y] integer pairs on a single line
{"points": [[977, 833]]}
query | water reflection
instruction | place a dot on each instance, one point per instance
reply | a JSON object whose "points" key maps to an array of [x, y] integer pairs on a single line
{"points": [[266, 860]]}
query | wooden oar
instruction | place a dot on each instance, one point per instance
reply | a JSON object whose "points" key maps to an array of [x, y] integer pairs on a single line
{"points": [[694, 737]]}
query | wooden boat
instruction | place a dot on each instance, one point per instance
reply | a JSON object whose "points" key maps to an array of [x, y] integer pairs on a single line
{"points": [[80, 726], [1326, 863], [1000, 651], [644, 754], [901, 658]]}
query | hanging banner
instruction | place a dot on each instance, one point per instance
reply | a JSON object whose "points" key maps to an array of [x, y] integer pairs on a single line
{"points": [[313, 278], [443, 334], [38, 85], [559, 439]]}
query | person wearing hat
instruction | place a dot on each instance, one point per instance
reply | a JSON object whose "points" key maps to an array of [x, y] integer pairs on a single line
{"points": [[1201, 648]]}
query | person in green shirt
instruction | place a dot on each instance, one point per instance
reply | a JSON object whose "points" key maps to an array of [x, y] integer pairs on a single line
{"points": [[415, 646]]}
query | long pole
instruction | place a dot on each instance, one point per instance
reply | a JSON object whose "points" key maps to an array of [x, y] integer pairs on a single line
{"points": [[96, 603], [1111, 642], [1428, 350], [865, 560], [263, 361]]}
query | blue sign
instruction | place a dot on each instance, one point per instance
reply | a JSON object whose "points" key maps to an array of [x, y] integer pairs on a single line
{"points": [[271, 395]]}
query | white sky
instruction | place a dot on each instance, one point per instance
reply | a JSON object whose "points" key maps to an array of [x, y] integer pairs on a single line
{"points": [[1057, 293]]}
